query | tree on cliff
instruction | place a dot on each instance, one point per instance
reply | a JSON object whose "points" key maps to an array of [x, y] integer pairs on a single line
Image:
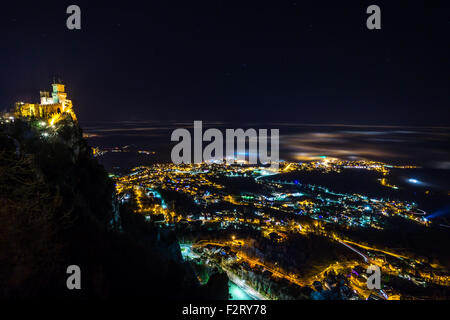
{"points": [[56, 210]]}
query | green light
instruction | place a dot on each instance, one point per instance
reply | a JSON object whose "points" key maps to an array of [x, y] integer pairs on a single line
{"points": [[237, 293]]}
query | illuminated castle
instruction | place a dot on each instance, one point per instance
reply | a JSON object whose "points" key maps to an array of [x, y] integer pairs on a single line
{"points": [[52, 108]]}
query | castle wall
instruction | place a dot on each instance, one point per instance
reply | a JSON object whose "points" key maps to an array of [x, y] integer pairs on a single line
{"points": [[49, 108], [37, 110]]}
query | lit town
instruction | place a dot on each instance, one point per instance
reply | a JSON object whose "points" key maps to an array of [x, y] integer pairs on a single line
{"points": [[224, 159], [274, 232], [245, 220]]}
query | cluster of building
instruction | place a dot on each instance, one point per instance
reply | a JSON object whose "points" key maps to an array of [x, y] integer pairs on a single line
{"points": [[52, 107], [276, 209], [206, 185]]}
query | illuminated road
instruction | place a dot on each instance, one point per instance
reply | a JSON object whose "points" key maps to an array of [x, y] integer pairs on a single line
{"points": [[237, 293], [253, 294], [420, 212], [238, 289], [374, 249], [358, 252], [273, 271], [251, 261]]}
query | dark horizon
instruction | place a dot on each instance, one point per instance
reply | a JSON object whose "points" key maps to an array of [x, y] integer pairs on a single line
{"points": [[293, 61]]}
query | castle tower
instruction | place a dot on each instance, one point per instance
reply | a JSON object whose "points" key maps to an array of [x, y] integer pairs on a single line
{"points": [[45, 98], [58, 94]]}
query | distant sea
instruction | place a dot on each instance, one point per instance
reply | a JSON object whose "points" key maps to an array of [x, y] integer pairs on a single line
{"points": [[423, 146], [427, 147]]}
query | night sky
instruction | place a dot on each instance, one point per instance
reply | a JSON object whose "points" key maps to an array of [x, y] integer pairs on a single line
{"points": [[287, 61]]}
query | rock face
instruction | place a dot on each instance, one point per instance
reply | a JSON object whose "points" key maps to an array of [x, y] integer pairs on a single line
{"points": [[58, 208], [115, 222], [169, 246]]}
